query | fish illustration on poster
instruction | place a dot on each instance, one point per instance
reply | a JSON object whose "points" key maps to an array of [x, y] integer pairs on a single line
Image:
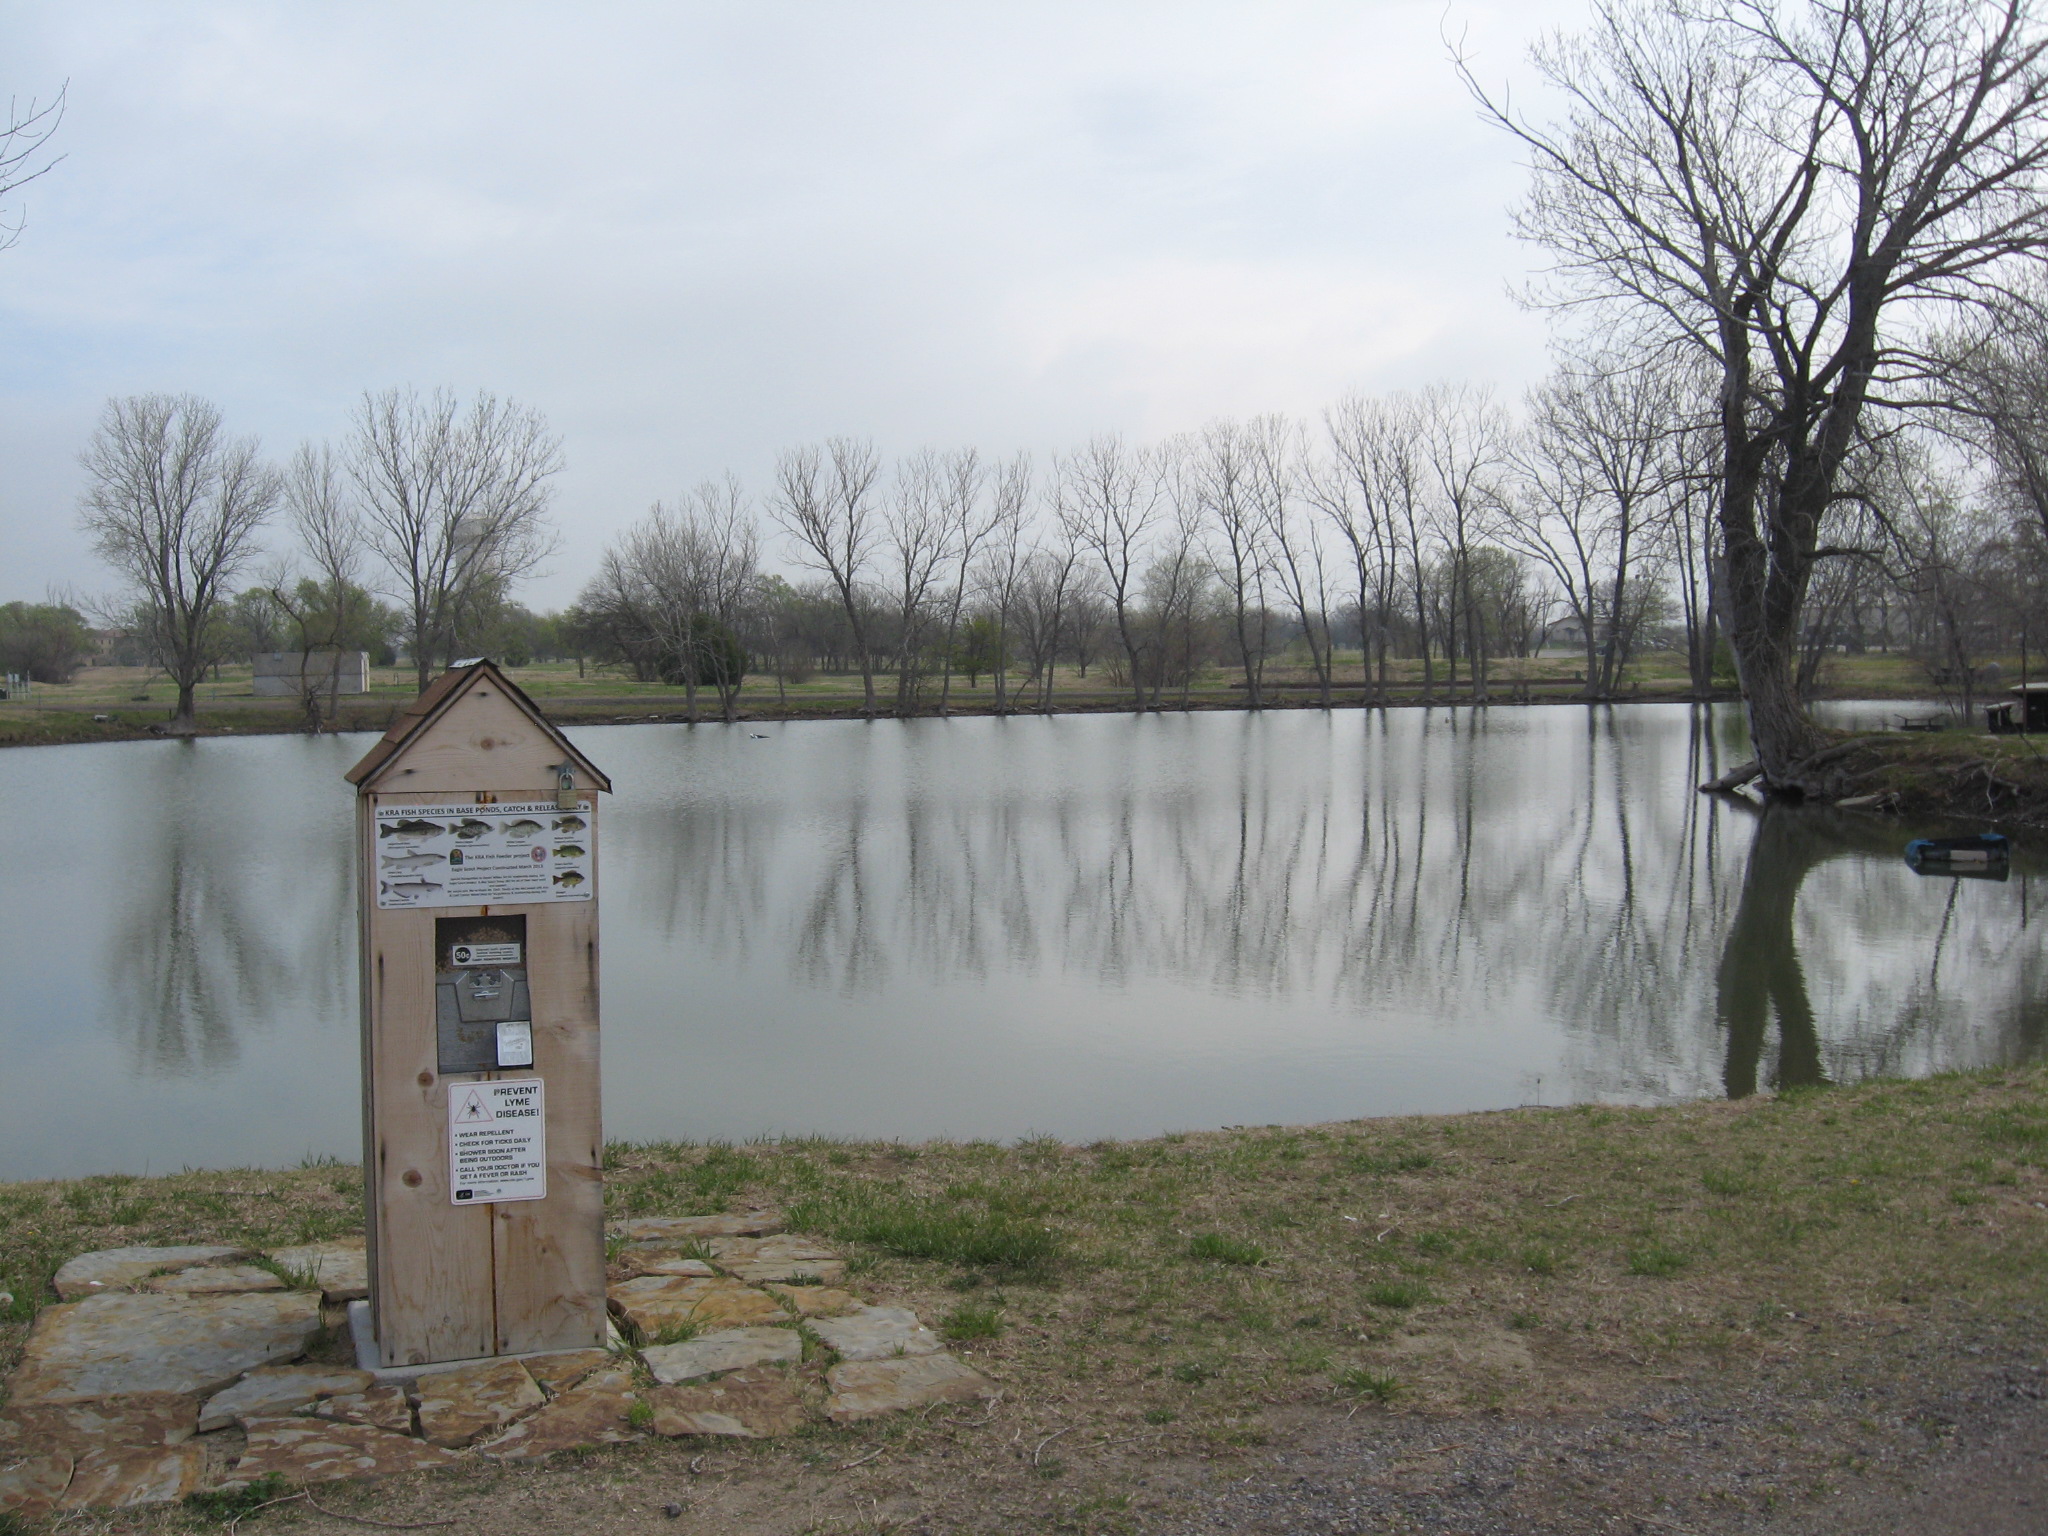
{"points": [[464, 855]]}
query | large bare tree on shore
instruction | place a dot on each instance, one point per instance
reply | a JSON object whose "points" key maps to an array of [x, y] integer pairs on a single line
{"points": [[454, 500], [174, 505], [1793, 192]]}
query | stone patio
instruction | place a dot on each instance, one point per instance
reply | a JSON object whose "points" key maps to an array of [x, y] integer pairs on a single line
{"points": [[167, 1371]]}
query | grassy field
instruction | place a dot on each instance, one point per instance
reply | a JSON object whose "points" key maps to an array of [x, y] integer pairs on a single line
{"points": [[1195, 1296], [133, 699]]}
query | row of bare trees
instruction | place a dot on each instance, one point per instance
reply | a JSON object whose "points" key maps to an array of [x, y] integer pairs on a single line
{"points": [[1436, 526], [440, 503], [1431, 525]]}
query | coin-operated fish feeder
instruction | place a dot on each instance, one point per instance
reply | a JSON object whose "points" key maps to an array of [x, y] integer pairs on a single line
{"points": [[476, 848], [1986, 856]]}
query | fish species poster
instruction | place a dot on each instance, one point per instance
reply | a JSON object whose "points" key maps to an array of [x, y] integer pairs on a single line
{"points": [[509, 854]]}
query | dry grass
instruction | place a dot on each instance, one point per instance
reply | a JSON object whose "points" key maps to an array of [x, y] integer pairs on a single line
{"points": [[1191, 1296], [1483, 1259]]}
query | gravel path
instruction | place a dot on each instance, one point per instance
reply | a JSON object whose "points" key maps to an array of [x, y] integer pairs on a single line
{"points": [[1956, 1442]]}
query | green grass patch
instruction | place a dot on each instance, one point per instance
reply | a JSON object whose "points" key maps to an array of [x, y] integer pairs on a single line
{"points": [[1659, 1261], [972, 1320], [222, 1505], [1218, 1249], [1380, 1386], [915, 1228], [1398, 1294], [1391, 1162]]}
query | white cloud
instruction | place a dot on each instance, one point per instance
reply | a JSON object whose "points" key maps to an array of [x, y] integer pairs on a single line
{"points": [[695, 233]]}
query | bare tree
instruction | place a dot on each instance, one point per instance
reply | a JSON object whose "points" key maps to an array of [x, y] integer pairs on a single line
{"points": [[1298, 561], [454, 499], [331, 540], [1107, 498], [1596, 466], [825, 501], [970, 521], [1003, 571], [1239, 549], [1047, 591], [917, 538], [1999, 368], [671, 595], [1463, 442], [1791, 192], [24, 134], [1177, 579], [174, 505], [1371, 491]]}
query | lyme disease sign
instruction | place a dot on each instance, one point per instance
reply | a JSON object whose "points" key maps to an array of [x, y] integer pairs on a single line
{"points": [[497, 1141], [518, 853]]}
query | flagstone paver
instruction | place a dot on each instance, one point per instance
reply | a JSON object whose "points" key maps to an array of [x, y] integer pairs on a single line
{"points": [[867, 1389], [750, 1404], [755, 1259], [341, 1267], [214, 1280], [816, 1300], [682, 1229], [555, 1374], [657, 1302], [275, 1389], [593, 1412], [120, 1476], [146, 1419], [314, 1450], [728, 1349], [114, 1269], [113, 1345], [172, 1343], [460, 1406], [661, 1261], [876, 1333], [386, 1408], [31, 1487]]}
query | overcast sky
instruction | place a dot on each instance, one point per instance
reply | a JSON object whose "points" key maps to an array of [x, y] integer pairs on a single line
{"points": [[695, 234]]}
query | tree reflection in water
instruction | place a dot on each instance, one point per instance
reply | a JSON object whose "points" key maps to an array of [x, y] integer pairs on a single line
{"points": [[1357, 882], [231, 918], [1761, 980]]}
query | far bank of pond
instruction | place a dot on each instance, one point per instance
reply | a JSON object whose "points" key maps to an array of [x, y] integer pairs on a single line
{"points": [[1085, 926]]}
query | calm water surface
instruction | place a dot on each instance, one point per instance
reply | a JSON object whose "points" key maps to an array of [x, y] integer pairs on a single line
{"points": [[1085, 925]]}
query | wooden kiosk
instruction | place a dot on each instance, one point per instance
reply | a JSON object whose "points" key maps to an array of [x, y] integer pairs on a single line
{"points": [[476, 852]]}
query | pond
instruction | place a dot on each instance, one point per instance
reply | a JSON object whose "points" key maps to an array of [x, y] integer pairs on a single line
{"points": [[1083, 926]]}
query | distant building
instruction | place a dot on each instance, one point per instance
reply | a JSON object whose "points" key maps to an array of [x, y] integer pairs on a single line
{"points": [[1566, 633], [290, 674]]}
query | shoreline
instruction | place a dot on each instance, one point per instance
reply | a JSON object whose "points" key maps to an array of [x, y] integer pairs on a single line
{"points": [[67, 725]]}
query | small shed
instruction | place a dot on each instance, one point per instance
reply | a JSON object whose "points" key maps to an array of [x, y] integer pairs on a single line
{"points": [[477, 860], [2033, 705]]}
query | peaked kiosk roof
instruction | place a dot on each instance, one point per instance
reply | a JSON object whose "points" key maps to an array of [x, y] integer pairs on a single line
{"points": [[417, 721]]}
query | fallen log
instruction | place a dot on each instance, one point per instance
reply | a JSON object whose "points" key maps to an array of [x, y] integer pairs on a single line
{"points": [[1734, 778]]}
